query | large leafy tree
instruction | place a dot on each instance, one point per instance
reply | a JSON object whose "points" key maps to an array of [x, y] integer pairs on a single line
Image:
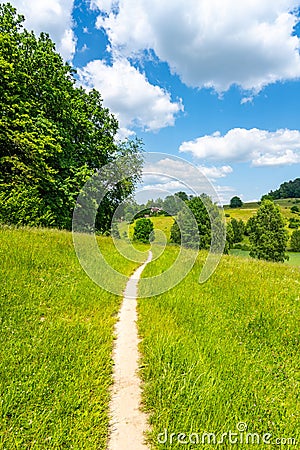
{"points": [[268, 236], [53, 135], [236, 202], [142, 230], [183, 230], [238, 228]]}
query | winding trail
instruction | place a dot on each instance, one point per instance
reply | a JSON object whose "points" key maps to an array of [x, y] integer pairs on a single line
{"points": [[128, 423]]}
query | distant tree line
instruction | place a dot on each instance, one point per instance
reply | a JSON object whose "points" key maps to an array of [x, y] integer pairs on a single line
{"points": [[289, 189], [169, 206], [53, 134]]}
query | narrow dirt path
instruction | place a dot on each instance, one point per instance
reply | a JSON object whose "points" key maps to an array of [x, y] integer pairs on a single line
{"points": [[128, 423]]}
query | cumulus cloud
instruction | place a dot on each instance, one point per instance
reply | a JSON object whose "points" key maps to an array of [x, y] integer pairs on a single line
{"points": [[261, 147], [183, 171], [53, 17], [168, 175], [213, 172], [129, 95], [209, 43]]}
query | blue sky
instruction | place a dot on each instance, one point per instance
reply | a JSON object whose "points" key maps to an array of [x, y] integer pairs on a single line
{"points": [[216, 82]]}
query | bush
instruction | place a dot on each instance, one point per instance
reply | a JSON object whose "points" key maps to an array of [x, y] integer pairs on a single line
{"points": [[294, 223], [295, 241], [241, 246], [236, 202], [142, 230], [295, 209], [238, 228]]}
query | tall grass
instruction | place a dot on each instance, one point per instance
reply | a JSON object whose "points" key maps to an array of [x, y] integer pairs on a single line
{"points": [[224, 352], [55, 343]]}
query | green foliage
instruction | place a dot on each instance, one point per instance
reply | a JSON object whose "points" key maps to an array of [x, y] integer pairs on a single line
{"points": [[142, 230], [295, 241], [289, 189], [295, 209], [235, 231], [115, 230], [229, 234], [172, 205], [188, 236], [201, 215], [238, 227], [53, 135], [266, 197], [236, 202], [182, 195], [268, 236], [175, 235], [294, 222], [194, 235]]}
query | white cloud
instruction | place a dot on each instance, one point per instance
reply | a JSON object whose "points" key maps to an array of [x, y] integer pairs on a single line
{"points": [[53, 17], [261, 147], [124, 133], [213, 172], [225, 193], [67, 44], [247, 100], [182, 170], [104, 5], [209, 43], [129, 95], [169, 175]]}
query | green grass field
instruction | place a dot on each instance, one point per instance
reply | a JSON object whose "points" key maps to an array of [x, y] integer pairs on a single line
{"points": [[56, 341], [249, 209], [213, 354], [160, 223], [294, 257], [224, 352]]}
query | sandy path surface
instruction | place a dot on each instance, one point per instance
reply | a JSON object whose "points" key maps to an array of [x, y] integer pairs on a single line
{"points": [[128, 423]]}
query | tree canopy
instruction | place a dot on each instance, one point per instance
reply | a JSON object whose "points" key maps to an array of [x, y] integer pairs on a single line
{"points": [[193, 227], [142, 230], [295, 241], [268, 236], [289, 189], [236, 202], [53, 134]]}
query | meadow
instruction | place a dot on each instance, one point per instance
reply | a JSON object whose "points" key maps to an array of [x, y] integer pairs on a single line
{"points": [[294, 257], [250, 208], [222, 353], [213, 355], [56, 342], [161, 223]]}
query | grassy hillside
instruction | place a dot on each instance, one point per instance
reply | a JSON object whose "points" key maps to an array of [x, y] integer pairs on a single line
{"points": [[224, 352], [55, 343], [214, 354], [244, 213], [160, 223], [249, 209]]}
